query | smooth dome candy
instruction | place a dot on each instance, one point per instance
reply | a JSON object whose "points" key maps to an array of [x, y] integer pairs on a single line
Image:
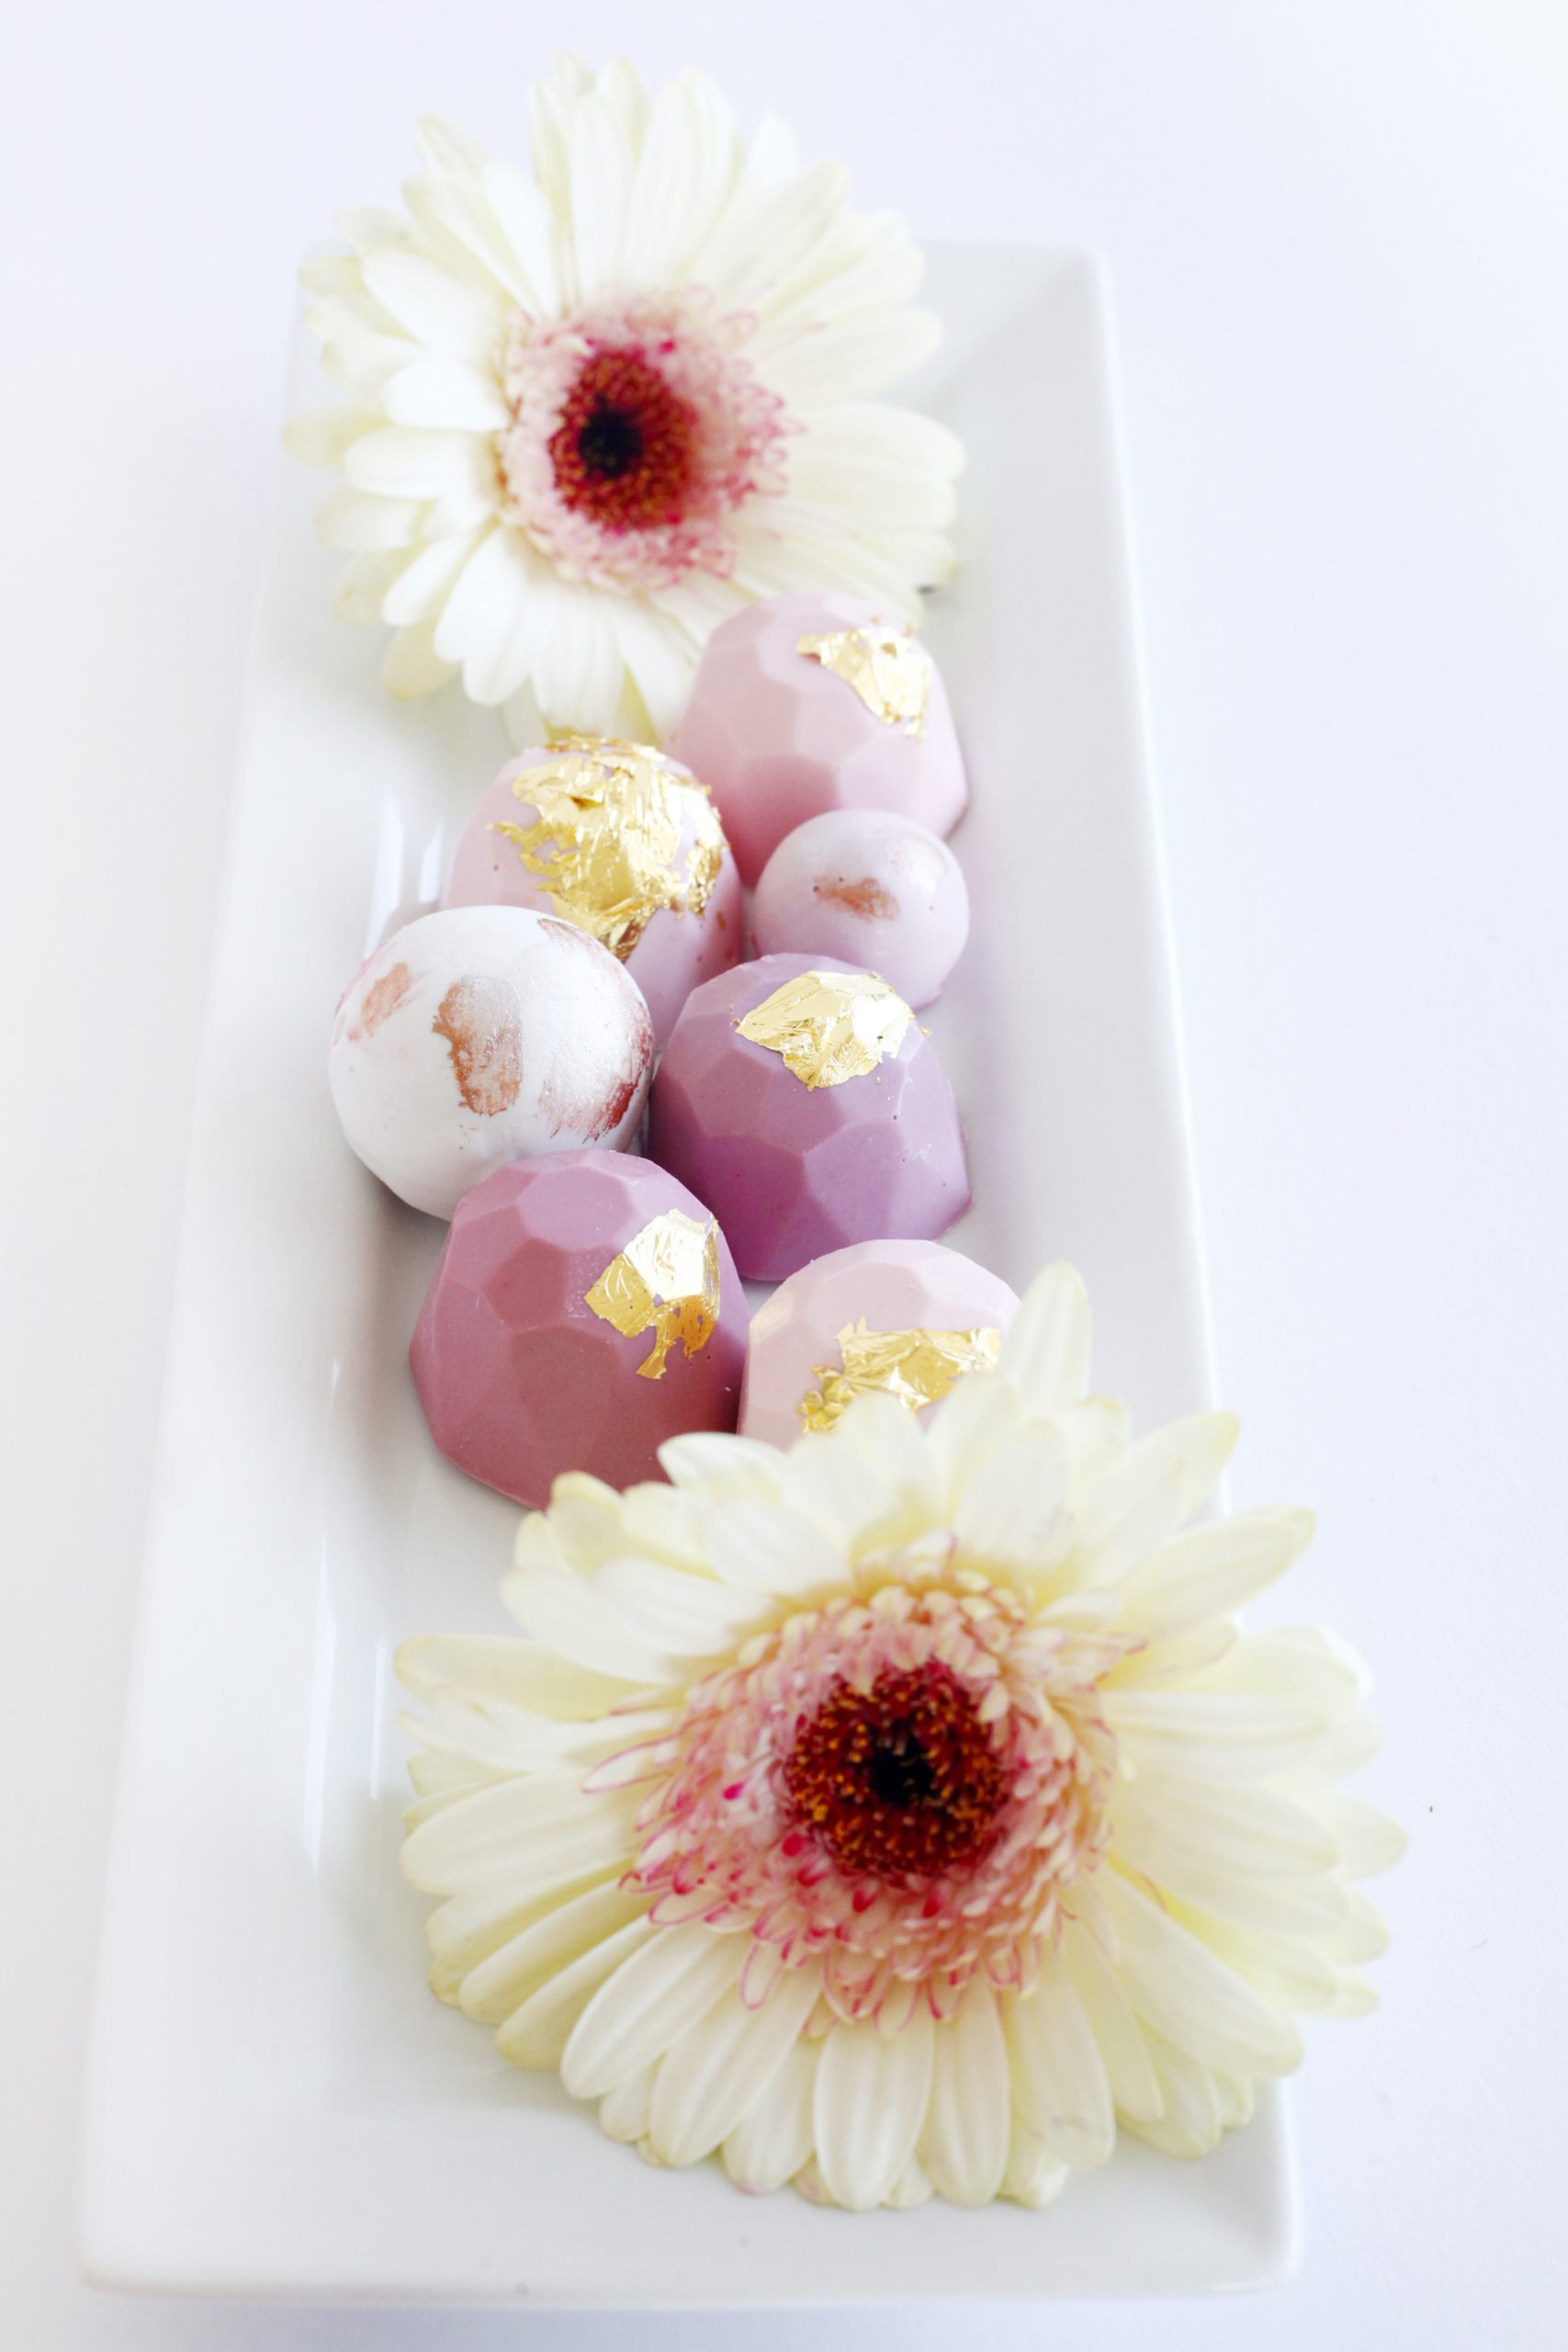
{"points": [[810, 703], [906, 1317], [800, 1098], [620, 841], [477, 1036], [872, 889], [586, 1308]]}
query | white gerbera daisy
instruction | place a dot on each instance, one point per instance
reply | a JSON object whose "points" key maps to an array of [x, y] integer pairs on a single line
{"points": [[590, 413], [903, 1812]]}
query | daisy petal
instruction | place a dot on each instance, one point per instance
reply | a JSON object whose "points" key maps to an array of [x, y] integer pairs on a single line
{"points": [[773, 2140], [1045, 1352], [537, 2033], [1134, 2085], [501, 1984], [1216, 1569], [666, 1985], [1182, 1991], [451, 395], [438, 310], [968, 2127], [709, 2078], [1059, 2080], [870, 2103]]}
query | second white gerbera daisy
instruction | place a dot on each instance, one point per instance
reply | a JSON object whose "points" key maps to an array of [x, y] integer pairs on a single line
{"points": [[588, 413], [903, 1812]]}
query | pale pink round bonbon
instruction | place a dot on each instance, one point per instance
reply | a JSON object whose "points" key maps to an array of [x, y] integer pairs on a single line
{"points": [[477, 1036], [792, 1169], [777, 737], [870, 888], [889, 1286], [521, 1379], [680, 945]]}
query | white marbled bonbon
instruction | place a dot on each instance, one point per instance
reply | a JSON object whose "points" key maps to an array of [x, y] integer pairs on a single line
{"points": [[477, 1036], [872, 889]]}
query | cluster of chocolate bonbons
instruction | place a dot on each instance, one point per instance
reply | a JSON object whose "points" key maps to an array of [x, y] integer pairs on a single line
{"points": [[493, 1061]]}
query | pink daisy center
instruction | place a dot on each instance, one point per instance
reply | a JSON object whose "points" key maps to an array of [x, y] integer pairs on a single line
{"points": [[904, 1790], [640, 431]]}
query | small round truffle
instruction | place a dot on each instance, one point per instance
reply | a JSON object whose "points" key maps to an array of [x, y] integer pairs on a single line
{"points": [[620, 841], [800, 1098], [871, 887], [478, 1034], [584, 1308], [908, 1318], [803, 703]]}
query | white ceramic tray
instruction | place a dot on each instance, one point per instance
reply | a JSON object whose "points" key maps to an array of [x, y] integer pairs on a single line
{"points": [[277, 2104]]}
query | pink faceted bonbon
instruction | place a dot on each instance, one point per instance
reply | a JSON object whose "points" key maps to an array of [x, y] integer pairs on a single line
{"points": [[777, 738]]}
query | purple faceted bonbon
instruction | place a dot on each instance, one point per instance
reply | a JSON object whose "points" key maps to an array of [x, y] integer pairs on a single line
{"points": [[524, 1377], [793, 1171]]}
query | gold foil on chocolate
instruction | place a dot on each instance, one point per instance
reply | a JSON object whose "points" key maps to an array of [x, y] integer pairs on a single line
{"points": [[917, 1367], [884, 666], [605, 841], [665, 1281], [829, 1027]]}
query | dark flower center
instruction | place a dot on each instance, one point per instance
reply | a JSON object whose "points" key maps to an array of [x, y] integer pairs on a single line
{"points": [[902, 1780], [624, 452]]}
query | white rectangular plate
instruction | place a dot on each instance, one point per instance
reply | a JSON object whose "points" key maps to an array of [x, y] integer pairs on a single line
{"points": [[277, 2105]]}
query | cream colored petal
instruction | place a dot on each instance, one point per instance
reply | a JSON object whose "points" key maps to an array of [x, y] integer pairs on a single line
{"points": [[848, 358], [689, 1618], [772, 2141], [1181, 1990], [1215, 1735], [422, 588], [1059, 2083], [708, 1458], [1035, 2177], [561, 1607], [1192, 2120], [968, 2127], [1012, 1514], [1366, 1839], [442, 311], [408, 461], [1045, 1353], [870, 2104], [1129, 1512], [500, 1984], [364, 583], [624, 2112], [684, 173], [602, 165], [502, 1667], [538, 2033], [531, 1831], [523, 218], [753, 250], [452, 395], [1214, 1570], [722, 2064], [666, 1985], [762, 1548], [1135, 2086]]}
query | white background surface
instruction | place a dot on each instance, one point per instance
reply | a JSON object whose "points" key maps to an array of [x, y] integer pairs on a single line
{"points": [[1338, 232]]}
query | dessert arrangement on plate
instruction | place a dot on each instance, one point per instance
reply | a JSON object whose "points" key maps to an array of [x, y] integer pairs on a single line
{"points": [[879, 1793]]}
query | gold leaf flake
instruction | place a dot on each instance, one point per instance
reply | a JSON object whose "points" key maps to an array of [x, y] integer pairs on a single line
{"points": [[665, 1281], [917, 1367], [884, 666], [829, 1027], [606, 840]]}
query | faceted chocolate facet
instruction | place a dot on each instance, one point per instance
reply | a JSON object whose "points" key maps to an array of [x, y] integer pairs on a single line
{"points": [[586, 1308], [794, 1165], [779, 734], [906, 1317]]}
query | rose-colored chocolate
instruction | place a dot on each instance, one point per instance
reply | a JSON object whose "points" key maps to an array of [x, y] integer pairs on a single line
{"points": [[793, 1170], [537, 1351], [778, 737], [888, 1286]]}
